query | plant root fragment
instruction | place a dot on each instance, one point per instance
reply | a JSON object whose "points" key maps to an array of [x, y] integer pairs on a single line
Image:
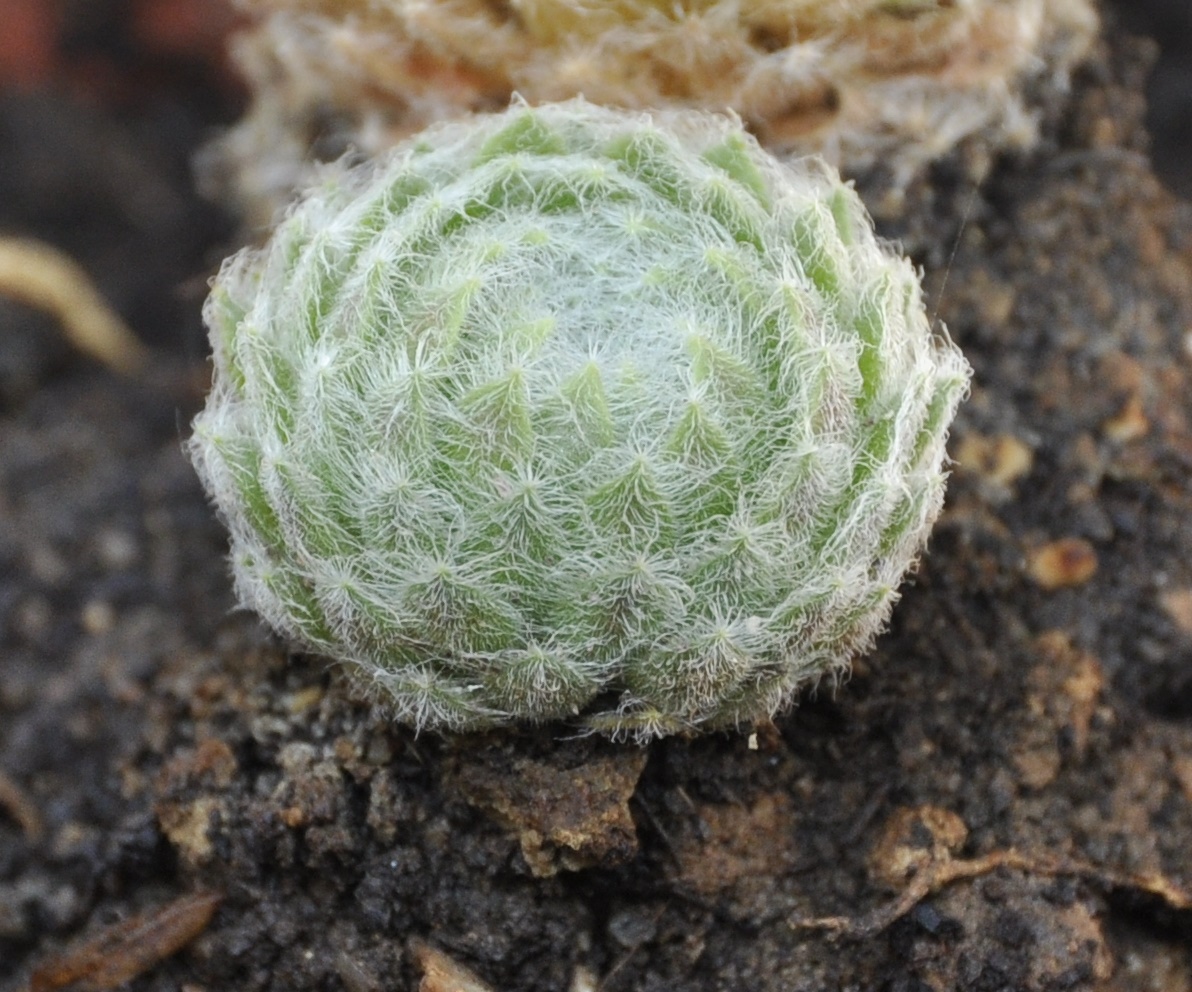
{"points": [[939, 873], [42, 277]]}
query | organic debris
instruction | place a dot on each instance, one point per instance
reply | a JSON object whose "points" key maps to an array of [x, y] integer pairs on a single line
{"points": [[41, 276], [124, 950], [930, 867]]}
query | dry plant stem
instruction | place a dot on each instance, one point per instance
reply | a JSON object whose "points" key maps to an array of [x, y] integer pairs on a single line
{"points": [[41, 276], [945, 871]]}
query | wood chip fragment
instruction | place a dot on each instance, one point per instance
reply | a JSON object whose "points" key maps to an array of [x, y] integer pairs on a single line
{"points": [[1070, 561], [442, 974], [41, 276], [124, 950], [1001, 460]]}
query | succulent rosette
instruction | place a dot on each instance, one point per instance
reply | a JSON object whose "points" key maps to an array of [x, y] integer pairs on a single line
{"points": [[891, 84], [569, 412]]}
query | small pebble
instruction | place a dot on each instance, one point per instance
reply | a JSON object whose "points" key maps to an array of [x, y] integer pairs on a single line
{"points": [[632, 927], [1070, 561], [1130, 423], [97, 617], [1178, 605]]}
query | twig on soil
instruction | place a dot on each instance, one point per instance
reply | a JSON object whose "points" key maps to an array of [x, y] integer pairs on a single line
{"points": [[41, 276], [944, 871]]}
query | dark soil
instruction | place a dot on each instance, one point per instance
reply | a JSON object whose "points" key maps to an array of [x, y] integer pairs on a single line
{"points": [[1019, 746]]}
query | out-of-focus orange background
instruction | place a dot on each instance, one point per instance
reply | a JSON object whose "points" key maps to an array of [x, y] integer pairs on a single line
{"points": [[113, 51]]}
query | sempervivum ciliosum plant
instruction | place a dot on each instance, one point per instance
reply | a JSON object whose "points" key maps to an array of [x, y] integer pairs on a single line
{"points": [[570, 411], [896, 82]]}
